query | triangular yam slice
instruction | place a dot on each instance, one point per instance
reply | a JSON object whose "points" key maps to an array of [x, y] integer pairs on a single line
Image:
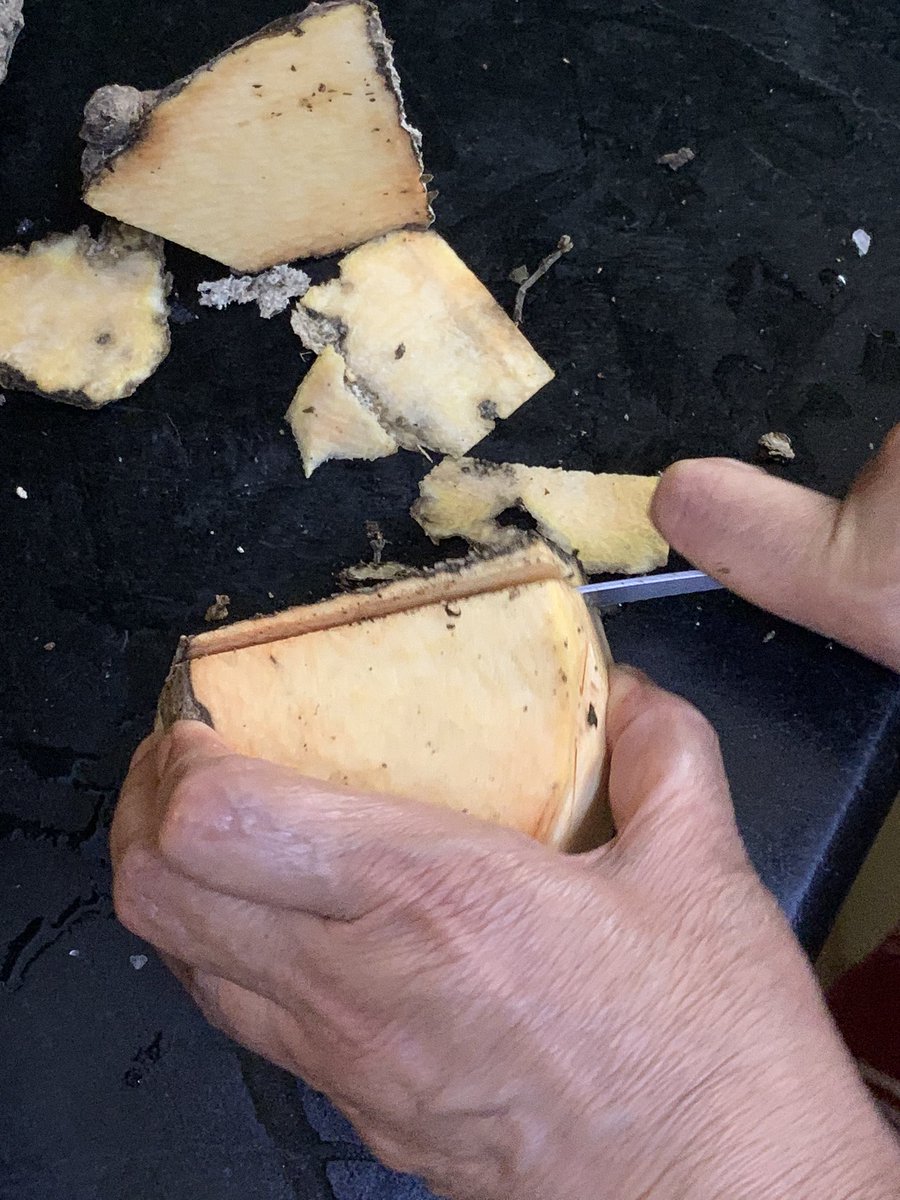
{"points": [[480, 686], [329, 421], [83, 321], [436, 356], [604, 520], [294, 143]]}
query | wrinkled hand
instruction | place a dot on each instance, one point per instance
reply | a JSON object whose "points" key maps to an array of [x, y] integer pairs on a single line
{"points": [[496, 1017], [833, 566]]}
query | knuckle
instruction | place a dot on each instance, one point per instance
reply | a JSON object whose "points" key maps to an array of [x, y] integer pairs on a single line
{"points": [[658, 712], [127, 893], [192, 791]]}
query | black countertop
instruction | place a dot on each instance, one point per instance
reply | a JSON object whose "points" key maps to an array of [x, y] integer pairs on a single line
{"points": [[717, 316]]}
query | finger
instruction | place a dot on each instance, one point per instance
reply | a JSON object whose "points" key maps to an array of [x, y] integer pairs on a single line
{"points": [[765, 539], [134, 815], [246, 1017], [666, 777], [265, 950], [877, 488], [270, 835], [833, 567]]}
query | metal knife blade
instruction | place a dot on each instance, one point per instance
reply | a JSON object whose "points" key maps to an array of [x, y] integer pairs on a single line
{"points": [[648, 587]]}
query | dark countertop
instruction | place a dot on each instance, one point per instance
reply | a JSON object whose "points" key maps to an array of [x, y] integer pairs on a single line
{"points": [[717, 317]]}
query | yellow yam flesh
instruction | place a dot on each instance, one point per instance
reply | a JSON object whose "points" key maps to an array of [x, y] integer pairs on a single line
{"points": [[481, 689]]}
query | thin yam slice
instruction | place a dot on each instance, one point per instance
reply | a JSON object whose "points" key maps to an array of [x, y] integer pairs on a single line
{"points": [[423, 342], [480, 686], [83, 321], [604, 520], [292, 144]]}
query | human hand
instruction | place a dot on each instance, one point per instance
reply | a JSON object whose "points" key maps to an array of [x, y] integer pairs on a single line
{"points": [[496, 1017], [833, 566]]}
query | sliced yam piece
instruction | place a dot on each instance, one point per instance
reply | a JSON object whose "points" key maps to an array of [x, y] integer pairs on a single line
{"points": [[83, 321], [329, 421], [480, 686], [11, 24], [438, 358], [291, 144], [604, 520]]}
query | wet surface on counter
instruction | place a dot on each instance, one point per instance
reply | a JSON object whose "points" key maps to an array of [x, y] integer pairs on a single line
{"points": [[699, 309]]}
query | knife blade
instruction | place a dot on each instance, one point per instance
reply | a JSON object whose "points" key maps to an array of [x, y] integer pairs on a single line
{"points": [[649, 587]]}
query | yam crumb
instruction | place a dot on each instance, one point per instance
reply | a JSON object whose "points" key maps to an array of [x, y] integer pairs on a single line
{"points": [[218, 610], [272, 291], [676, 159], [777, 446]]}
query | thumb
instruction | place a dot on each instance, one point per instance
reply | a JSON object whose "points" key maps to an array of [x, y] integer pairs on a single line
{"points": [[832, 566], [267, 834], [667, 784]]}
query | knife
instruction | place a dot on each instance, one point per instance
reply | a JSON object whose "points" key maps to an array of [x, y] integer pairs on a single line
{"points": [[649, 587]]}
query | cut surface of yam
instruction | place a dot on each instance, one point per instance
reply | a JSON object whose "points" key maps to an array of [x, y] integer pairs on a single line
{"points": [[83, 321], [11, 25], [604, 520], [328, 421], [291, 144], [423, 338], [479, 686]]}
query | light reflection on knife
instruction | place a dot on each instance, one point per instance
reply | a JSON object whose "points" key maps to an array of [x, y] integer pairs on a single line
{"points": [[649, 587]]}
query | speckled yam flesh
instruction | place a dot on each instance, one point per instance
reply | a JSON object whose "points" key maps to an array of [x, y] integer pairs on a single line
{"points": [[292, 144], [480, 686]]}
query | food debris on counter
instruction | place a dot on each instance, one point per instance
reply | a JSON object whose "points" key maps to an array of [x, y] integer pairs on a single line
{"points": [[272, 291], [777, 446], [218, 610], [21, 493], [11, 25], [564, 246], [862, 241], [381, 572], [676, 159]]}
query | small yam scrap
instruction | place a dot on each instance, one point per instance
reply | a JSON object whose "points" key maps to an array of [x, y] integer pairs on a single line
{"points": [[11, 25], [602, 519], [83, 321], [292, 144], [272, 291], [425, 351], [479, 685]]}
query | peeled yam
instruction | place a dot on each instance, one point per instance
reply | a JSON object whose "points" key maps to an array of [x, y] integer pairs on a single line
{"points": [[425, 348], [604, 520], [293, 143], [83, 321], [480, 685]]}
